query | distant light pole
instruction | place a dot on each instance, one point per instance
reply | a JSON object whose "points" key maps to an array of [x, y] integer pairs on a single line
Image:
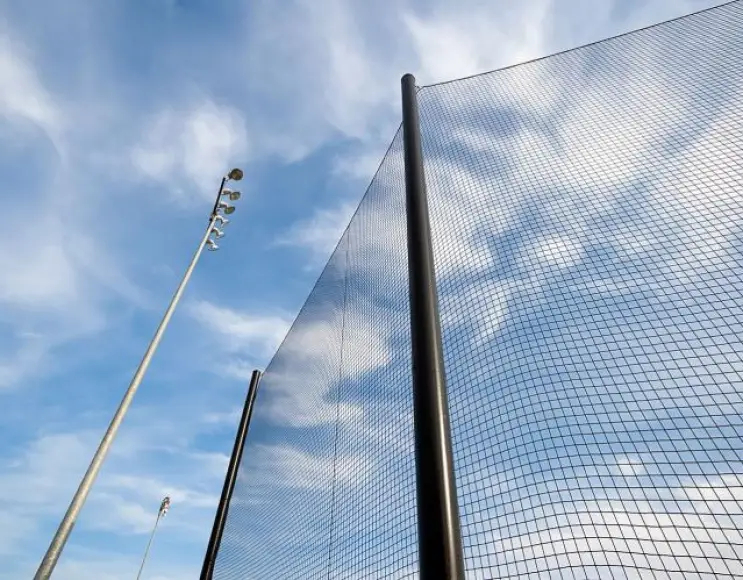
{"points": [[65, 527], [164, 506]]}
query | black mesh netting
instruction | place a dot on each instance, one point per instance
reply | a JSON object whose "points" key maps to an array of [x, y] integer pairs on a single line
{"points": [[585, 211]]}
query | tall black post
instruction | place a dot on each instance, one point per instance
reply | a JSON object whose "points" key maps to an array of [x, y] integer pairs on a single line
{"points": [[440, 542], [229, 481]]}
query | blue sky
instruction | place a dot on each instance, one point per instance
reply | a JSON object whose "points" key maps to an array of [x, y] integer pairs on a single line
{"points": [[116, 123]]}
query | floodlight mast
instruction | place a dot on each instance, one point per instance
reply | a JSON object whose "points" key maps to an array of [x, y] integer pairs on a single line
{"points": [[50, 559]]}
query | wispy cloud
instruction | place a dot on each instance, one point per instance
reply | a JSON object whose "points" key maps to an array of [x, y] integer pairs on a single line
{"points": [[319, 233], [247, 339], [22, 94], [253, 334], [37, 480], [191, 147], [452, 42]]}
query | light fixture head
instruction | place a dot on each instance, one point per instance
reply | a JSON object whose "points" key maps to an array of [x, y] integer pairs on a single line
{"points": [[226, 207], [217, 232], [211, 245], [233, 195], [223, 221], [235, 175]]}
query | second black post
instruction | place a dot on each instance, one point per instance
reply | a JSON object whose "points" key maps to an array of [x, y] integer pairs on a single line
{"points": [[220, 518]]}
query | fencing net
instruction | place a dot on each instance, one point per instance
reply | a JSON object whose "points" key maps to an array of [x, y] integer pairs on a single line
{"points": [[584, 211]]}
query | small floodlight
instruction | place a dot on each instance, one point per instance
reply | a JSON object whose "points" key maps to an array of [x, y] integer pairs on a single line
{"points": [[233, 195], [211, 245], [235, 175], [217, 232], [223, 221], [226, 207]]}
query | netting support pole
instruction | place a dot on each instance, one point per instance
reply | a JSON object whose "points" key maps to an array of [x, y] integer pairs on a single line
{"points": [[207, 570], [439, 538]]}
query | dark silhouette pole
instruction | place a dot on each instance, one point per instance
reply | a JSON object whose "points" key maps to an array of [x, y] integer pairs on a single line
{"points": [[440, 543], [220, 517]]}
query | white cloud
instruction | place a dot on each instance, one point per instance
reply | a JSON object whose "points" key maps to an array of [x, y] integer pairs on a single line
{"points": [[302, 387], [273, 466], [38, 480], [42, 282], [331, 69], [127, 503], [41, 269], [45, 469], [629, 466], [377, 237], [43, 275], [346, 83], [564, 159], [487, 308], [25, 360], [253, 335], [460, 207], [345, 62], [319, 233], [56, 281], [632, 532], [357, 89], [454, 41], [224, 417], [22, 94], [326, 71], [552, 252], [191, 147], [707, 203], [361, 166], [477, 196], [56, 275], [290, 492]]}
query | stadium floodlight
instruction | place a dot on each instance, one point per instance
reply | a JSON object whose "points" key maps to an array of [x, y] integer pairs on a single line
{"points": [[233, 195], [49, 562], [164, 507], [226, 207], [235, 175]]}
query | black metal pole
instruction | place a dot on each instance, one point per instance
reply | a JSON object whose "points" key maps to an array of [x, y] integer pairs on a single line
{"points": [[229, 481], [219, 197], [439, 539]]}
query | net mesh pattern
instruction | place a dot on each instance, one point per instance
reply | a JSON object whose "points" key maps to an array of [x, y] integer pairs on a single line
{"points": [[326, 488], [584, 211]]}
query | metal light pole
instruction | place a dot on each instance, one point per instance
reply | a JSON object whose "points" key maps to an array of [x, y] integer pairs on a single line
{"points": [[68, 522], [164, 506]]}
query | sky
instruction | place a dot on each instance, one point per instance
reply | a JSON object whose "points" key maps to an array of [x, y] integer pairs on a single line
{"points": [[117, 121]]}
